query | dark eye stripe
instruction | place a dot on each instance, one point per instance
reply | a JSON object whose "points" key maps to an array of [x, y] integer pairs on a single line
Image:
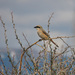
{"points": [[36, 27]]}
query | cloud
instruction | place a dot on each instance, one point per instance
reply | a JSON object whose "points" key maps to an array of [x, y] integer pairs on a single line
{"points": [[13, 55], [28, 13], [2, 55], [63, 16], [24, 1], [5, 14], [30, 19]]}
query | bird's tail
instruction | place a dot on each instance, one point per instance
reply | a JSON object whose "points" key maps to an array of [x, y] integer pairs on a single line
{"points": [[53, 42]]}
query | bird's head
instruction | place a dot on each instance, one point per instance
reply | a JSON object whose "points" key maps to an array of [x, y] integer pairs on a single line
{"points": [[38, 27]]}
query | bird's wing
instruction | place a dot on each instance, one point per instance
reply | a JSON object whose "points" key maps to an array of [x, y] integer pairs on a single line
{"points": [[45, 32]]}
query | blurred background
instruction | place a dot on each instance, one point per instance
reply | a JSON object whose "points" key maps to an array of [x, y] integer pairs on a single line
{"points": [[29, 13]]}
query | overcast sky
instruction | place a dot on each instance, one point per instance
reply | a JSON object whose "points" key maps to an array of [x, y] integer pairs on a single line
{"points": [[29, 13]]}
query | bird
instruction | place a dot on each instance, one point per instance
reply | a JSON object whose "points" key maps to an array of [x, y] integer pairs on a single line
{"points": [[43, 34]]}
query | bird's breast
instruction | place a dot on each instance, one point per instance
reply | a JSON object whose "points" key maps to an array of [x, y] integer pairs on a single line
{"points": [[42, 35]]}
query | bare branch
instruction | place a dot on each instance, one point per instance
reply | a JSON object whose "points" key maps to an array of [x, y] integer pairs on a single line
{"points": [[63, 37], [24, 53]]}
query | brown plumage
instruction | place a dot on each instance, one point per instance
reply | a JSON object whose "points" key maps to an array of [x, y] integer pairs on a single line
{"points": [[43, 34]]}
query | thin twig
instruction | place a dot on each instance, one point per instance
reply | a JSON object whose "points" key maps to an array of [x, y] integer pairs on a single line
{"points": [[3, 65], [16, 32], [49, 21], [6, 42], [63, 37], [28, 44]]}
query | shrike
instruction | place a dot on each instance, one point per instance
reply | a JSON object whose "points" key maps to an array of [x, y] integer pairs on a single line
{"points": [[43, 34]]}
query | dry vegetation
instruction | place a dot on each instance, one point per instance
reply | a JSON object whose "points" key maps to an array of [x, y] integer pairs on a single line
{"points": [[47, 63]]}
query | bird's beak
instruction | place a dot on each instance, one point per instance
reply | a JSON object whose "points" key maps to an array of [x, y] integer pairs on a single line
{"points": [[35, 27]]}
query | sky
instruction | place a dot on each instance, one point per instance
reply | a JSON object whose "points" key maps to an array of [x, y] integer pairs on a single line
{"points": [[29, 13]]}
